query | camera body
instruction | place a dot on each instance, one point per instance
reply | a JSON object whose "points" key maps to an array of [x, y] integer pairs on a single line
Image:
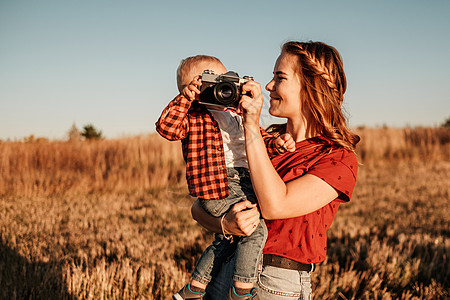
{"points": [[222, 90]]}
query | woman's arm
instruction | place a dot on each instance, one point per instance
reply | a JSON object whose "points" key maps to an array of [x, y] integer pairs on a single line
{"points": [[241, 219], [277, 199]]}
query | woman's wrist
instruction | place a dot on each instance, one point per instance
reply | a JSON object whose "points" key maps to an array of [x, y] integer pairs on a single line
{"points": [[250, 120], [252, 132], [224, 231]]}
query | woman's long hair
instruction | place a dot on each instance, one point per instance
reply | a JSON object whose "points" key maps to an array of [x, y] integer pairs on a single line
{"points": [[323, 81]]}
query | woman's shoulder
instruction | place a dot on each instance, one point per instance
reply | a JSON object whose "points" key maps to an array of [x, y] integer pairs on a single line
{"points": [[343, 155], [335, 153], [338, 160]]}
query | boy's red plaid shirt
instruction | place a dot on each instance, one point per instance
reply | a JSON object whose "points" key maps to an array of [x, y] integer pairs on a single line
{"points": [[202, 146]]}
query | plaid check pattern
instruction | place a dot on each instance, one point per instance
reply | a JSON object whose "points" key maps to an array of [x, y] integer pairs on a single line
{"points": [[202, 146]]}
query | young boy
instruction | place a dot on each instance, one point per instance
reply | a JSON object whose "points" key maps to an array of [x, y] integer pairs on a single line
{"points": [[217, 173]]}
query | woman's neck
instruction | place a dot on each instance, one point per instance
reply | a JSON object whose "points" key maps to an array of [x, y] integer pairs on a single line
{"points": [[300, 129]]}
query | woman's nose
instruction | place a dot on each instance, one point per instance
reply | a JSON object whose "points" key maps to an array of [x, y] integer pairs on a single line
{"points": [[269, 86]]}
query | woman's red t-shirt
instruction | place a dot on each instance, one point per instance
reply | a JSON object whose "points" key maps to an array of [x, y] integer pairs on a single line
{"points": [[304, 238]]}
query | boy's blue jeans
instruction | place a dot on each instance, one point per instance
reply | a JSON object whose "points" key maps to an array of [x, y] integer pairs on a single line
{"points": [[247, 249]]}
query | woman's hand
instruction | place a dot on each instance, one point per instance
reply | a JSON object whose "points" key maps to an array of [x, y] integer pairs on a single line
{"points": [[242, 219], [251, 104]]}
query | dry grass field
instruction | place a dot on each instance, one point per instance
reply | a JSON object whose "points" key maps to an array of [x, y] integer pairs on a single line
{"points": [[111, 220]]}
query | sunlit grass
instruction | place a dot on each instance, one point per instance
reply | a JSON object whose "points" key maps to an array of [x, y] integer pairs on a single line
{"points": [[111, 220]]}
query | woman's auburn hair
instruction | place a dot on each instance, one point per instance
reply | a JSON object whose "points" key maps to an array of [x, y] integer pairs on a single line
{"points": [[323, 85]]}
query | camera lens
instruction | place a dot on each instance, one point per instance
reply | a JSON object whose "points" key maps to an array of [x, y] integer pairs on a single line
{"points": [[225, 92]]}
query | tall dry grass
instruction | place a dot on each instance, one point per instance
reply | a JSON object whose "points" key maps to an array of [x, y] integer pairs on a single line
{"points": [[379, 145], [56, 168], [110, 220]]}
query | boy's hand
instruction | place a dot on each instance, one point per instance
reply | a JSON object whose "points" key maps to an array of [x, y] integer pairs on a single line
{"points": [[284, 143], [191, 91]]}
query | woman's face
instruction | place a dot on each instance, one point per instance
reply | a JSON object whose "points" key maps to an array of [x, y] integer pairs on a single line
{"points": [[285, 88]]}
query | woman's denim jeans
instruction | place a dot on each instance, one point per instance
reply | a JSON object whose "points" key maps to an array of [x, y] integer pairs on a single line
{"points": [[273, 284]]}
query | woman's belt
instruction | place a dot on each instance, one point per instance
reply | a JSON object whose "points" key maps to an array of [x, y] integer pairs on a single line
{"points": [[286, 263]]}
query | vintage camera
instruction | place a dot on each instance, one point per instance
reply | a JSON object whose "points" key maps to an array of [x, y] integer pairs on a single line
{"points": [[222, 90]]}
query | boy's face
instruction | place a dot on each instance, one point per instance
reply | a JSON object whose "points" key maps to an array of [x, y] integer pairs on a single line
{"points": [[198, 70]]}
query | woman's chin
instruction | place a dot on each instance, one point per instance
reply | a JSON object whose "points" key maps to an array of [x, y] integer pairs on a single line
{"points": [[273, 106], [273, 111]]}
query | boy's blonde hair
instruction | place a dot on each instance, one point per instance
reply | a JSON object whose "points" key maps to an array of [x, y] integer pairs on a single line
{"points": [[188, 63]]}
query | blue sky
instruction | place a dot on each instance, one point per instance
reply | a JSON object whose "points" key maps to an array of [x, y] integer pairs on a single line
{"points": [[112, 63]]}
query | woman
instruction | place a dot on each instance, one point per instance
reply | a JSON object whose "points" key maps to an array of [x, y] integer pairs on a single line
{"points": [[298, 193]]}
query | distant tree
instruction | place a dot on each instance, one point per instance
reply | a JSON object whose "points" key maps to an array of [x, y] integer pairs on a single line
{"points": [[446, 123], [91, 133], [74, 134], [29, 139]]}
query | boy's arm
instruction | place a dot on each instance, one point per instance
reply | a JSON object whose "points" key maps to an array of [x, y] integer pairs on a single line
{"points": [[269, 141], [173, 123]]}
